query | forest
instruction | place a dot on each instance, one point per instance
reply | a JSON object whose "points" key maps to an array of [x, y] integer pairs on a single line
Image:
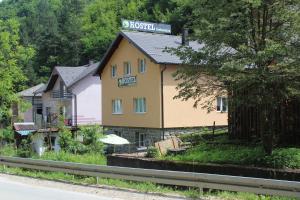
{"points": [[72, 32]]}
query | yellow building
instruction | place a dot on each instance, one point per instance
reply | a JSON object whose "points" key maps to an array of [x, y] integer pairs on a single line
{"points": [[138, 90]]}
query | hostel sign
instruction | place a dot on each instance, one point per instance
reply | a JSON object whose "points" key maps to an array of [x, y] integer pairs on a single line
{"points": [[146, 26], [127, 81]]}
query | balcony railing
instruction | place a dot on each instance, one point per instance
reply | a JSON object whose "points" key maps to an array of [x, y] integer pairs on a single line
{"points": [[56, 94]]}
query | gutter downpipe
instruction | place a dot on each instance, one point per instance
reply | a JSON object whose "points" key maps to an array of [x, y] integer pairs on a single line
{"points": [[33, 108], [75, 111], [162, 99]]}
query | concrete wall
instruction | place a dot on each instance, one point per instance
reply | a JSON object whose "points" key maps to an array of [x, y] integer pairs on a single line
{"points": [[147, 86], [178, 113], [89, 107], [234, 170]]}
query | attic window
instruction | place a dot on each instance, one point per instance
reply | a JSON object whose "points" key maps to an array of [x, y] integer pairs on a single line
{"points": [[127, 68]]}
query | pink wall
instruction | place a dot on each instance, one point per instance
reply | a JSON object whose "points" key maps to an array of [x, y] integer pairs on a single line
{"points": [[88, 93]]}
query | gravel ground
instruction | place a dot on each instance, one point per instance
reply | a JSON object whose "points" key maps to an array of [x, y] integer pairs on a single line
{"points": [[103, 191]]}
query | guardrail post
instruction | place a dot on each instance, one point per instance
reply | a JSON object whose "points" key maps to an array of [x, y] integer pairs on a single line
{"points": [[97, 180]]}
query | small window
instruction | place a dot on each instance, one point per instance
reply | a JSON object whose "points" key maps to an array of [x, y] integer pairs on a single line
{"points": [[117, 106], [222, 104], [140, 139], [127, 68], [142, 65], [114, 71], [139, 105]]}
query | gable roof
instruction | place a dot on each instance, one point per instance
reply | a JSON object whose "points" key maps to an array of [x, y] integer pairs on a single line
{"points": [[70, 75], [30, 92], [151, 44]]}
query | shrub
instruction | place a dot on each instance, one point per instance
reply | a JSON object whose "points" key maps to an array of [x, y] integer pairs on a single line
{"points": [[152, 152], [8, 150], [24, 150], [282, 158], [7, 135], [91, 138]]}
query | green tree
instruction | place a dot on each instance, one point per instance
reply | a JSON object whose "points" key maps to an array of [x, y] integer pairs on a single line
{"points": [[13, 58], [250, 46], [100, 26]]}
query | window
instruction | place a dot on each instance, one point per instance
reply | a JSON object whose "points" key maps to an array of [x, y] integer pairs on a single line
{"points": [[142, 65], [140, 139], [117, 106], [114, 71], [139, 105], [222, 105], [127, 68]]}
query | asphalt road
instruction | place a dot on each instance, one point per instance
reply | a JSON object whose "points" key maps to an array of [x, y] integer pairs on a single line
{"points": [[12, 190], [24, 188]]}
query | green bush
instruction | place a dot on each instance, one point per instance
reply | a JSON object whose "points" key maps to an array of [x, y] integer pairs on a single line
{"points": [[7, 135], [282, 158], [25, 150], [152, 152], [8, 150], [91, 138], [69, 144]]}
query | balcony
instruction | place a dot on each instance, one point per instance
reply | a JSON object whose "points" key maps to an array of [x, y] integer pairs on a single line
{"points": [[56, 94]]}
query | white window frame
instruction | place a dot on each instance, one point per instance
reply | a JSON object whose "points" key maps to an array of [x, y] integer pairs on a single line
{"points": [[140, 105], [114, 71], [127, 68], [221, 101], [142, 65], [140, 143], [117, 109]]}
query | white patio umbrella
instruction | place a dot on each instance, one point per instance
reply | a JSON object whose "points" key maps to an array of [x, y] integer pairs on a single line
{"points": [[114, 140]]}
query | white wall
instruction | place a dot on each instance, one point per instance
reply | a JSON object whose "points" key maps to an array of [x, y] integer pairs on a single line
{"points": [[89, 96]]}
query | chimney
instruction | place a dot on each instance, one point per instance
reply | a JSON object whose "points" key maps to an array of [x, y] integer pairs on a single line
{"points": [[185, 35]]}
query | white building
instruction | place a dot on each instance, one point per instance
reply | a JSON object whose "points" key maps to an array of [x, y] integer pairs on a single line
{"points": [[75, 93]]}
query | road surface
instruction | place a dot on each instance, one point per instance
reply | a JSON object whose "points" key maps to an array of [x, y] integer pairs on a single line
{"points": [[24, 188], [11, 190]]}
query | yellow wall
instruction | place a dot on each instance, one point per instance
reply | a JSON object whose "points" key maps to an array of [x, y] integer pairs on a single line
{"points": [[180, 113], [177, 113], [148, 86]]}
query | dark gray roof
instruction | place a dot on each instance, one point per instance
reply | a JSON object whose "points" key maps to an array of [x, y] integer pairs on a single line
{"points": [[89, 69], [30, 92], [70, 75], [152, 44]]}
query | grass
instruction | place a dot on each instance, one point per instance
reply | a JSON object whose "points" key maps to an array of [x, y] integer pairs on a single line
{"points": [[89, 158], [139, 186], [220, 150]]}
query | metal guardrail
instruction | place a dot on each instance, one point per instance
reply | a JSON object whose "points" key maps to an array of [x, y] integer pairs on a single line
{"points": [[199, 180]]}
